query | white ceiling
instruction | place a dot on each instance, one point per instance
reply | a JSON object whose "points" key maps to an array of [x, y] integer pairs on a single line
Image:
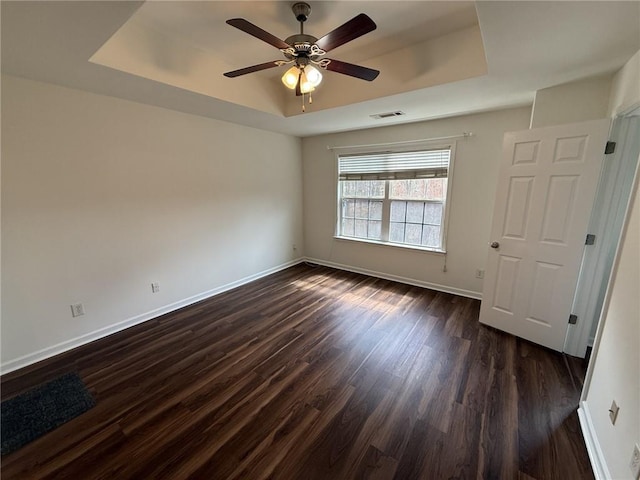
{"points": [[436, 59]]}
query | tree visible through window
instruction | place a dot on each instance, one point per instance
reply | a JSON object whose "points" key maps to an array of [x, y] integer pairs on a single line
{"points": [[395, 198]]}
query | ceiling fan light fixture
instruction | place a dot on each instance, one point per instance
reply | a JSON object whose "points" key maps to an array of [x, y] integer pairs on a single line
{"points": [[290, 77], [305, 85], [309, 77], [314, 77]]}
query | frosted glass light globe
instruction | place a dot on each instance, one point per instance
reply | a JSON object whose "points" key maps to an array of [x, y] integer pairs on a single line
{"points": [[314, 76], [290, 77]]}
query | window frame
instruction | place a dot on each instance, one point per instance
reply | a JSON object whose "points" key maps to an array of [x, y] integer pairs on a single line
{"points": [[393, 148]]}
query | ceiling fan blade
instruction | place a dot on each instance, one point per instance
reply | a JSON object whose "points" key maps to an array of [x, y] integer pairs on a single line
{"points": [[251, 69], [354, 28], [251, 29], [352, 70]]}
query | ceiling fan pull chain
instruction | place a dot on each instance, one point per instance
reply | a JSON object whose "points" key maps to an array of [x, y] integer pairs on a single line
{"points": [[310, 99], [303, 103]]}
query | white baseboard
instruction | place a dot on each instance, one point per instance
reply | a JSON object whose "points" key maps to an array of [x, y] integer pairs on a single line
{"points": [[598, 463], [410, 281], [62, 347]]}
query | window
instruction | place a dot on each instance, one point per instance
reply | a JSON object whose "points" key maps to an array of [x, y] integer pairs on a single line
{"points": [[397, 198]]}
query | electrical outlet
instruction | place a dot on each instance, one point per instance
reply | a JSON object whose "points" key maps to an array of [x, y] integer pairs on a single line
{"points": [[479, 273], [77, 309], [634, 465], [155, 287], [294, 247], [613, 412]]}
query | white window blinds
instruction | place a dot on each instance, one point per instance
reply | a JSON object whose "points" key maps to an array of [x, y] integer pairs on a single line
{"points": [[396, 165]]}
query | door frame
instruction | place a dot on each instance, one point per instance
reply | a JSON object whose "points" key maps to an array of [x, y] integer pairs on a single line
{"points": [[607, 219]]}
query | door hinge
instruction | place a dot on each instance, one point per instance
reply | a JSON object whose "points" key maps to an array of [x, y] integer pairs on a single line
{"points": [[573, 319], [591, 239], [610, 148]]}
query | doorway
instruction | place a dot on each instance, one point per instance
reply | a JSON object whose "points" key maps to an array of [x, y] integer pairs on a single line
{"points": [[606, 224]]}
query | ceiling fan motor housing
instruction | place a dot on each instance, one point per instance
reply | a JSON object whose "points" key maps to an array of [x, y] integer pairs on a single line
{"points": [[303, 46]]}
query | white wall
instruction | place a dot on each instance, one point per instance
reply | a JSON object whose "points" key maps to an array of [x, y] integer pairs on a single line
{"points": [[572, 102], [102, 196], [474, 184], [615, 370]]}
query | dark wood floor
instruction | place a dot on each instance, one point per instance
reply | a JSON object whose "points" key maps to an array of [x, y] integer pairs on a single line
{"points": [[313, 373]]}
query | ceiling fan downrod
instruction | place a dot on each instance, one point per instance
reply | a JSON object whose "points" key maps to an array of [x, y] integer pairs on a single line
{"points": [[301, 10]]}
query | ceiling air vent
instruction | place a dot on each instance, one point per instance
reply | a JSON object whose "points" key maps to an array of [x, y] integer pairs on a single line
{"points": [[379, 116]]}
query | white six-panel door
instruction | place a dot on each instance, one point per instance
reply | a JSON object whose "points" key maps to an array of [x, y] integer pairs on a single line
{"points": [[547, 184]]}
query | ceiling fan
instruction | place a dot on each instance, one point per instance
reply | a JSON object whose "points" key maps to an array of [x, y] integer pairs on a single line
{"points": [[306, 52]]}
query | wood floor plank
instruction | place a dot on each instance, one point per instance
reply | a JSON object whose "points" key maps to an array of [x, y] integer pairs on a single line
{"points": [[547, 402], [313, 373], [292, 462], [498, 448], [392, 435], [462, 438], [423, 455], [441, 388], [375, 465], [327, 457]]}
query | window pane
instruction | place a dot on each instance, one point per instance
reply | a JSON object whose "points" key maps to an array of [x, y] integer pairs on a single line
{"points": [[348, 188], [436, 189], [375, 210], [418, 189], [416, 223], [399, 189], [433, 213], [415, 212], [348, 227], [362, 208], [348, 208], [375, 230], [362, 189], [377, 188], [398, 211], [396, 232], [431, 236], [361, 228], [413, 234], [415, 189]]}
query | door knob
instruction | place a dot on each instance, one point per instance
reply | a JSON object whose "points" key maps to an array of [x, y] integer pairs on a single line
{"points": [[494, 245]]}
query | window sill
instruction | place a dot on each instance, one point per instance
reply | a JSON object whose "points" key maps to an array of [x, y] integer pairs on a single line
{"points": [[389, 244]]}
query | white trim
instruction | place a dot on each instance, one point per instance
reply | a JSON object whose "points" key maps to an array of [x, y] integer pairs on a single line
{"points": [[401, 143], [632, 110], [62, 347], [396, 278], [444, 227], [406, 246], [596, 456]]}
